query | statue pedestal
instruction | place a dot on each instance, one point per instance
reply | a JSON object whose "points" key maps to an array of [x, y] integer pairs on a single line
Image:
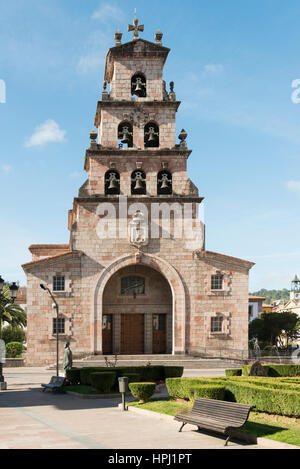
{"points": [[3, 386]]}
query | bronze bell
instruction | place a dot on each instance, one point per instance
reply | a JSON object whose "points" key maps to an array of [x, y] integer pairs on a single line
{"points": [[151, 137], [138, 185], [113, 183], [165, 184], [139, 87]]}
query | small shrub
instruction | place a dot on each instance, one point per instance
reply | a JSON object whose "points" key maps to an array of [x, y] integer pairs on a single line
{"points": [[103, 381], [208, 391], [142, 391], [14, 350], [73, 375], [13, 334], [234, 372], [173, 371]]}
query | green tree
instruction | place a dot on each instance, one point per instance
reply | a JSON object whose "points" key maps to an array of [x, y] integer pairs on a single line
{"points": [[270, 326], [10, 312]]}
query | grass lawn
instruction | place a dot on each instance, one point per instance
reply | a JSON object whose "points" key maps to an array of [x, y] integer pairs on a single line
{"points": [[274, 427]]}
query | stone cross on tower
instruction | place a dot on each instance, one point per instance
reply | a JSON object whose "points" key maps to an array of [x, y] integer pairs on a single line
{"points": [[135, 28]]}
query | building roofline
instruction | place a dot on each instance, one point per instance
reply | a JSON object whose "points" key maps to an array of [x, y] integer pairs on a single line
{"points": [[50, 258]]}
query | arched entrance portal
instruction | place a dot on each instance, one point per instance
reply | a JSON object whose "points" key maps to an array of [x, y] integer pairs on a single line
{"points": [[137, 312]]}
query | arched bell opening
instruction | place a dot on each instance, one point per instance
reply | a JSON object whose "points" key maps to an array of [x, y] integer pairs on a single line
{"points": [[151, 135], [139, 85], [164, 183], [112, 183], [138, 182], [125, 135]]}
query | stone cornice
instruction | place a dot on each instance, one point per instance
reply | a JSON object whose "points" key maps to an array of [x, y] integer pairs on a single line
{"points": [[146, 199], [135, 105], [97, 151]]}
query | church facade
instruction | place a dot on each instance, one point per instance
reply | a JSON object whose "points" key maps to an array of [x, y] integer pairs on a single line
{"points": [[135, 277]]}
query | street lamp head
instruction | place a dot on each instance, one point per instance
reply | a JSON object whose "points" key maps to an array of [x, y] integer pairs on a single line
{"points": [[1, 283], [13, 290], [43, 286]]}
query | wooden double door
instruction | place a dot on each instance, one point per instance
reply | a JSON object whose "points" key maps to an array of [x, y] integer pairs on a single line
{"points": [[132, 334]]}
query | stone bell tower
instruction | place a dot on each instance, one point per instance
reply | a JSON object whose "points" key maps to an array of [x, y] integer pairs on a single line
{"points": [[136, 277]]}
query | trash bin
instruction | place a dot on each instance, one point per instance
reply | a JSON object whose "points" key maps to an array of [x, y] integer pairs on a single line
{"points": [[123, 384], [123, 388]]}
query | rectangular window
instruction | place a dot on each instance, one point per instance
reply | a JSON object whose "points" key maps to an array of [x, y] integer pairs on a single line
{"points": [[216, 324], [59, 324], [217, 282], [59, 283], [132, 285]]}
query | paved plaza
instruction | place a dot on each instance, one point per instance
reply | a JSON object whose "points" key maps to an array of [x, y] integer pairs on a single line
{"points": [[37, 420]]}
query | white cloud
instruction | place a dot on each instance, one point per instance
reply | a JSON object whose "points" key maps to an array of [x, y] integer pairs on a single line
{"points": [[293, 186], [213, 68], [44, 133], [107, 12], [6, 168]]}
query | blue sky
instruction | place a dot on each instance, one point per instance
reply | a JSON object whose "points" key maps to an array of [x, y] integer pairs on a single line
{"points": [[233, 63]]}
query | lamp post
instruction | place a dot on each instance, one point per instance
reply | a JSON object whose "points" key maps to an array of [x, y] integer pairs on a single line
{"points": [[13, 293], [43, 287]]}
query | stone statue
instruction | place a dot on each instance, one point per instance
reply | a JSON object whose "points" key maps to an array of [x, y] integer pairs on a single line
{"points": [[67, 357]]}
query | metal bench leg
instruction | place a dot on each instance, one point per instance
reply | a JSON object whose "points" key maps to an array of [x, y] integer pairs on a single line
{"points": [[227, 439], [182, 426]]}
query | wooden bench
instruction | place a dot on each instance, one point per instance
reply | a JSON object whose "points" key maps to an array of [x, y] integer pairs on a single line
{"points": [[56, 384], [216, 416]]}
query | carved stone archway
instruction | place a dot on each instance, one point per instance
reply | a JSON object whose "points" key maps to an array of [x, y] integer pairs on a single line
{"points": [[178, 296]]}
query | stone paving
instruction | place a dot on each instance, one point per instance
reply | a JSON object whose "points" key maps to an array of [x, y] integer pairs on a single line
{"points": [[32, 419]]}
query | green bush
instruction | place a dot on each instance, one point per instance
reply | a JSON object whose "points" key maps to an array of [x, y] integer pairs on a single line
{"points": [[14, 350], [142, 391], [234, 372], [73, 375], [208, 391], [173, 371], [13, 334], [103, 381]]}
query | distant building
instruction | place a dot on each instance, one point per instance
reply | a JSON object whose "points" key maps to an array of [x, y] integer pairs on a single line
{"points": [[267, 308], [255, 306], [293, 304]]}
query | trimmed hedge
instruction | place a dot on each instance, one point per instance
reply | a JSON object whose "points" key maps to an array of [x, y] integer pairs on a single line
{"points": [[142, 391], [275, 369], [73, 375], [208, 391], [180, 387], [145, 373], [265, 399], [173, 371], [133, 377], [233, 372], [103, 381]]}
